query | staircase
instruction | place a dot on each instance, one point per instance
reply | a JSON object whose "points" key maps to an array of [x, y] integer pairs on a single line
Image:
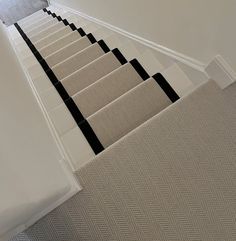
{"points": [[134, 134], [94, 94]]}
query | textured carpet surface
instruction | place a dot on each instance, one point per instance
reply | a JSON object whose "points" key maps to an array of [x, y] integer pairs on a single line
{"points": [[59, 43], [51, 38], [90, 73], [31, 31], [67, 51], [77, 61], [106, 89], [127, 112], [172, 179], [44, 33], [13, 10]]}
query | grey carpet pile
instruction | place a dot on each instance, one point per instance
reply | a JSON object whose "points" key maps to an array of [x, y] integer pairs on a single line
{"points": [[13, 10], [171, 179]]}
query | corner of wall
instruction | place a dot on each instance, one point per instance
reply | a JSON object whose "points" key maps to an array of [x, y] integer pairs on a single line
{"points": [[220, 71]]}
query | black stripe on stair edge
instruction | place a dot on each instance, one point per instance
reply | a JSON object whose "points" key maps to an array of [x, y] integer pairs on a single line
{"points": [[38, 56], [51, 76], [91, 38], [81, 32], [71, 25], [77, 115], [119, 56], [65, 22], [166, 87], [62, 91], [59, 18], [44, 9], [139, 68], [91, 137], [82, 123], [103, 45], [74, 110]]}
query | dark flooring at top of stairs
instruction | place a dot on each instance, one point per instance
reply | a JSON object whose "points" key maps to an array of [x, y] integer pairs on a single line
{"points": [[12, 11]]}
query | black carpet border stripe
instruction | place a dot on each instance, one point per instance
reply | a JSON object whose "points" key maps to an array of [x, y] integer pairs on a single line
{"points": [[91, 38], [54, 80], [92, 138], [74, 110], [62, 91], [139, 69], [104, 46], [166, 87], [119, 56], [72, 26], [65, 22], [82, 123], [81, 32], [59, 18]]}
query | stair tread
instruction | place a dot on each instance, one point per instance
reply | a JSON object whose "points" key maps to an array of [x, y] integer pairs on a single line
{"points": [[127, 112], [26, 22], [107, 89], [52, 37], [90, 73], [44, 33], [37, 14], [59, 43], [77, 61], [40, 27], [67, 51]]}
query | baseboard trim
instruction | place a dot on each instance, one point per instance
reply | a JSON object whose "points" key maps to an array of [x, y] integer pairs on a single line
{"points": [[157, 47]]}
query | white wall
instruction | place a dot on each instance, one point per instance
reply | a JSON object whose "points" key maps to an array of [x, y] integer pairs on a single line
{"points": [[31, 177], [199, 29]]}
